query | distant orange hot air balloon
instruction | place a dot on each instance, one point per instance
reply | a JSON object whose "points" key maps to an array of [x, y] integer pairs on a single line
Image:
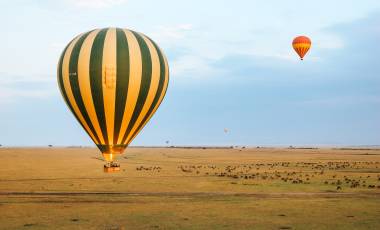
{"points": [[301, 45]]}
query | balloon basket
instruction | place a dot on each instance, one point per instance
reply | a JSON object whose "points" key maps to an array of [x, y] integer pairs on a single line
{"points": [[110, 167]]}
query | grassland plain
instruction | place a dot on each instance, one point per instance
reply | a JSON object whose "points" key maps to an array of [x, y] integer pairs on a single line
{"points": [[190, 188]]}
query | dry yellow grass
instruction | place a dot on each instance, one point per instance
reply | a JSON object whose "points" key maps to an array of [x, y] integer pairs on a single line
{"points": [[173, 188]]}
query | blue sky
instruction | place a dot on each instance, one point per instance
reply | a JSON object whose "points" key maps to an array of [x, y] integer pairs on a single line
{"points": [[231, 62]]}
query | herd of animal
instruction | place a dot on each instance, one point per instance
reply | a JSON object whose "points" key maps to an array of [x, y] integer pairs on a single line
{"points": [[340, 174]]}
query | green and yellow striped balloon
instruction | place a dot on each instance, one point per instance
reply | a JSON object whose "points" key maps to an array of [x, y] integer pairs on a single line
{"points": [[113, 80]]}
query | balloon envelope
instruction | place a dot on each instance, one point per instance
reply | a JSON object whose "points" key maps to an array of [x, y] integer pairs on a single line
{"points": [[113, 80], [301, 45]]}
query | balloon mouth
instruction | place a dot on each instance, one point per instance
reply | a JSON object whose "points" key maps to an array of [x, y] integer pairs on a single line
{"points": [[110, 152], [109, 157]]}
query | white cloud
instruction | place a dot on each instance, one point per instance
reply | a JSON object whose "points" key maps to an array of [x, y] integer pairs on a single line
{"points": [[9, 78], [342, 100], [328, 41], [169, 34], [8, 95], [15, 87], [192, 66], [205, 45], [97, 4]]}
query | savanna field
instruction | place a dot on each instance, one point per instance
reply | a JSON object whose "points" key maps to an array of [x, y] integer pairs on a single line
{"points": [[190, 188]]}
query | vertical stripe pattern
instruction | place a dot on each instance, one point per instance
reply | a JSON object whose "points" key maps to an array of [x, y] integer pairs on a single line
{"points": [[113, 80]]}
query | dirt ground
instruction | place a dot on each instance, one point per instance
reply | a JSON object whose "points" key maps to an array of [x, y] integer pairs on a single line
{"points": [[190, 188]]}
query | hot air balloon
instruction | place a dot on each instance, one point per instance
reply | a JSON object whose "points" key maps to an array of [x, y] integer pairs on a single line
{"points": [[301, 45], [113, 80]]}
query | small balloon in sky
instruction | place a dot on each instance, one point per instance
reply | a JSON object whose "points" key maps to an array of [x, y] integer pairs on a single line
{"points": [[301, 45]]}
